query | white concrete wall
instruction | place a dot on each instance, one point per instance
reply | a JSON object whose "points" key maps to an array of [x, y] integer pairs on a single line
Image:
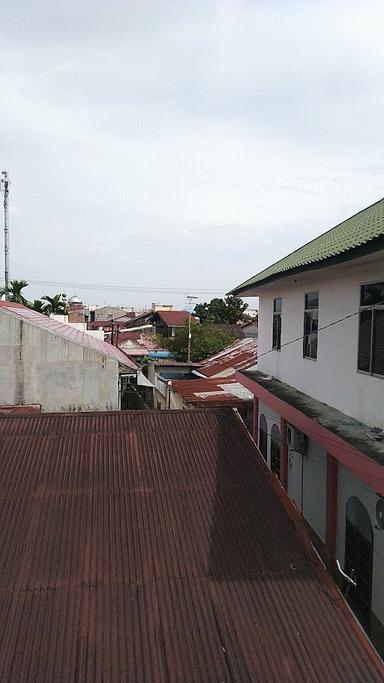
{"points": [[306, 475], [37, 366], [349, 485], [314, 487], [332, 378]]}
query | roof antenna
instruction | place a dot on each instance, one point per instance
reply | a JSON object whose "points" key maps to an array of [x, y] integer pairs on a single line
{"points": [[4, 187]]}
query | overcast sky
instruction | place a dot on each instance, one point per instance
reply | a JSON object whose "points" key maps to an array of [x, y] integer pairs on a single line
{"points": [[184, 144]]}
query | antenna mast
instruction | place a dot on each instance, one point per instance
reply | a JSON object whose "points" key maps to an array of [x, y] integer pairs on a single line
{"points": [[4, 187]]}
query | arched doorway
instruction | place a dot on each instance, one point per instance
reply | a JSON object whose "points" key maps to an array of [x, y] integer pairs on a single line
{"points": [[263, 436], [359, 560], [275, 450]]}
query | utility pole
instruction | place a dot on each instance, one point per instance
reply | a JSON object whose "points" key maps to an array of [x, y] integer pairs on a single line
{"points": [[190, 299], [4, 187]]}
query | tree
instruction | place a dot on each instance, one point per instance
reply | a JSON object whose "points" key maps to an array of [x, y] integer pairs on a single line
{"points": [[38, 305], [229, 310], [55, 304], [205, 342], [14, 292]]}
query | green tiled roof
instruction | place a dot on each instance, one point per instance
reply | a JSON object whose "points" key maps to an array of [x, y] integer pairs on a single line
{"points": [[356, 231]]}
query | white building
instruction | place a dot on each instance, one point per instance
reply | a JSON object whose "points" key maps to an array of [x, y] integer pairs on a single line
{"points": [[43, 361], [319, 397]]}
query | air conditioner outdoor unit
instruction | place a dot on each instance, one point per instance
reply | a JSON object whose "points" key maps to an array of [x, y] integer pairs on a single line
{"points": [[297, 440]]}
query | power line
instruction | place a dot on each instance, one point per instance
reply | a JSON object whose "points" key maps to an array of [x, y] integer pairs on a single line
{"points": [[123, 288], [324, 327]]}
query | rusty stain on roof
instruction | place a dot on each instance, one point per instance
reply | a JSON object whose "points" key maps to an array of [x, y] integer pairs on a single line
{"points": [[156, 546], [240, 355], [66, 331], [221, 391]]}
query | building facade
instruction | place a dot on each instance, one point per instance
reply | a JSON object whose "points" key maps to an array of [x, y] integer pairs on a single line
{"points": [[319, 398], [45, 362]]}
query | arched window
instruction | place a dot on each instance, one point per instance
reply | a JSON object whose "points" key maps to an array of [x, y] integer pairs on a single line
{"points": [[275, 450], [359, 559], [263, 436]]}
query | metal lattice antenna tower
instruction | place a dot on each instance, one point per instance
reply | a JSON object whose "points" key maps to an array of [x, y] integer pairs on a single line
{"points": [[4, 187]]}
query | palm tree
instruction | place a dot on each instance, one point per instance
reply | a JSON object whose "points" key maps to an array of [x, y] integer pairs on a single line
{"points": [[55, 304], [14, 292], [38, 305]]}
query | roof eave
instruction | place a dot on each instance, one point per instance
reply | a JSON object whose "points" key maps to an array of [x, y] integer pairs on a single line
{"points": [[251, 289]]}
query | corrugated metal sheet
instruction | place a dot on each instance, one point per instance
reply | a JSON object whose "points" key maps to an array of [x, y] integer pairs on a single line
{"points": [[360, 229], [20, 409], [240, 355], [212, 392], [66, 331], [155, 547]]}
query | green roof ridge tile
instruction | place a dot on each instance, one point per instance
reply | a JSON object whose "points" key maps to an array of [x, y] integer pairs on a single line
{"points": [[361, 228]]}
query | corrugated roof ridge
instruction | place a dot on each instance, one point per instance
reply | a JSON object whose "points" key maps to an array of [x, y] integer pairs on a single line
{"points": [[258, 275]]}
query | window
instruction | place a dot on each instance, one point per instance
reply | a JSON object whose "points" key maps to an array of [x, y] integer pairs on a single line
{"points": [[276, 329], [263, 437], [371, 329], [275, 450], [311, 325]]}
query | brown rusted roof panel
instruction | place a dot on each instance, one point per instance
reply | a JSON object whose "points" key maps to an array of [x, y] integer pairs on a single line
{"points": [[154, 547]]}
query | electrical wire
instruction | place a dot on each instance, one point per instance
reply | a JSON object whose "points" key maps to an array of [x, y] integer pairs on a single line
{"points": [[324, 327], [124, 288]]}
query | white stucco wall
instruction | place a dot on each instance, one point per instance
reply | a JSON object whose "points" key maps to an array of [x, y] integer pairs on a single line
{"points": [[37, 366], [350, 485], [333, 377]]}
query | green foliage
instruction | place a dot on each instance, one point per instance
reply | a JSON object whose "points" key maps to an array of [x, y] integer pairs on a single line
{"points": [[55, 304], [229, 310], [15, 292], [38, 306], [205, 342], [47, 304]]}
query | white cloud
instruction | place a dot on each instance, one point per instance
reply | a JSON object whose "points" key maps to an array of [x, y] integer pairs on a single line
{"points": [[185, 144]]}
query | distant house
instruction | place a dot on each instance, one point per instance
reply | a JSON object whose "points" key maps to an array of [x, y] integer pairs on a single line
{"points": [[109, 313], [167, 322], [319, 397], [43, 361], [162, 322], [134, 343], [161, 371], [158, 547]]}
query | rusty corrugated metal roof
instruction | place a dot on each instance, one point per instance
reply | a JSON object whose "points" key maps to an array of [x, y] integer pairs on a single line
{"points": [[155, 547], [240, 355], [66, 331], [223, 391]]}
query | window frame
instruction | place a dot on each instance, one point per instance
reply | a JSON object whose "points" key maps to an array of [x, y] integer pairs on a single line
{"points": [[277, 315], [306, 311], [372, 308]]}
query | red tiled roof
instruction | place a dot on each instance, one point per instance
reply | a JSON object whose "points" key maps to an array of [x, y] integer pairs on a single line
{"points": [[241, 355], [175, 318], [66, 331], [212, 392], [156, 546]]}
